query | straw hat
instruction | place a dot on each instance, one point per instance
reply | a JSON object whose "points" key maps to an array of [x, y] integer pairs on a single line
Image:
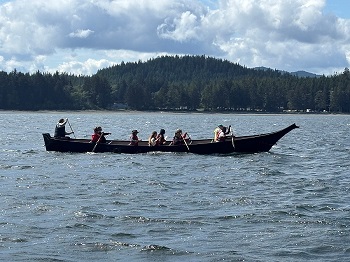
{"points": [[62, 122]]}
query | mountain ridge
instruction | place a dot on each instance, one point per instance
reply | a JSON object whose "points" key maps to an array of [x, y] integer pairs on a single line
{"points": [[299, 73]]}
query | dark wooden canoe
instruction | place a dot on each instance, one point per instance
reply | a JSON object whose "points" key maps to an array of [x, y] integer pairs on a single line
{"points": [[240, 144]]}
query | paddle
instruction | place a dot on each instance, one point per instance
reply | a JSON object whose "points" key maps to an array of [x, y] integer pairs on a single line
{"points": [[71, 128], [232, 139], [188, 148], [98, 141]]}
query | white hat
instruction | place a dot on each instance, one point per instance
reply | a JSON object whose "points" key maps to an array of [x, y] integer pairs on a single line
{"points": [[62, 122]]}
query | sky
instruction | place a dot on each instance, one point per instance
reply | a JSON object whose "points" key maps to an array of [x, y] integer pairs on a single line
{"points": [[83, 36]]}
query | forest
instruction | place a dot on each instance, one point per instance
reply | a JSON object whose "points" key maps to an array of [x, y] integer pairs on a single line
{"points": [[186, 83]]}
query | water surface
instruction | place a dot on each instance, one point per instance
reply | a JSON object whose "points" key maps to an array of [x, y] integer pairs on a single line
{"points": [[291, 204]]}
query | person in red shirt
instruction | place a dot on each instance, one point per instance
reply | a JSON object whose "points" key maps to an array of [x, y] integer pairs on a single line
{"points": [[98, 135]]}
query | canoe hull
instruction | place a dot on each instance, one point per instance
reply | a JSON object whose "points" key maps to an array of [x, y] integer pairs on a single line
{"points": [[242, 144]]}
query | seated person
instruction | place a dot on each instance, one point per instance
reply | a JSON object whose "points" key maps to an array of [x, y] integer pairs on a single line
{"points": [[134, 140], [98, 135], [152, 140], [221, 132], [179, 138], [160, 138], [60, 129]]}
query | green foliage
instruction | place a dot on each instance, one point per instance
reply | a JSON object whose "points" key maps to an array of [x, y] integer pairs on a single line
{"points": [[176, 83]]}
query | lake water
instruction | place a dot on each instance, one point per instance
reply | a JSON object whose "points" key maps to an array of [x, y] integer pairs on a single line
{"points": [[291, 204]]}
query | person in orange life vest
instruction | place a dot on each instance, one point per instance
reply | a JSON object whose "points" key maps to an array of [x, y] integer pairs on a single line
{"points": [[221, 132], [134, 140], [160, 138], [179, 138], [98, 135]]}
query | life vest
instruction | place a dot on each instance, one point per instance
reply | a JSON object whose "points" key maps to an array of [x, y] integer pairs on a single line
{"points": [[218, 135], [160, 139], [98, 138], [217, 132], [60, 131], [134, 140], [178, 140]]}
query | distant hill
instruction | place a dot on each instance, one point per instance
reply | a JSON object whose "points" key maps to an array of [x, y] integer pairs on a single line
{"points": [[163, 70], [178, 83], [304, 74], [296, 73]]}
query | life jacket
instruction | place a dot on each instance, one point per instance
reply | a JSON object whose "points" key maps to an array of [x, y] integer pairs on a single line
{"points": [[134, 140], [95, 137], [217, 135], [217, 132], [160, 139], [60, 131], [178, 140]]}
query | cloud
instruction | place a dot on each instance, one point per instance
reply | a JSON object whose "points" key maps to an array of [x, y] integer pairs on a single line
{"points": [[79, 35]]}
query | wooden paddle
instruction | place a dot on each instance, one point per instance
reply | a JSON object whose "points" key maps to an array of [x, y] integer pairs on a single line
{"points": [[232, 137], [98, 141], [71, 128], [188, 148]]}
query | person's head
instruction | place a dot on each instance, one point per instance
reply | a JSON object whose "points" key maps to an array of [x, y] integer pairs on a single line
{"points": [[62, 122], [98, 129], [178, 132], [162, 132], [154, 134], [134, 132]]}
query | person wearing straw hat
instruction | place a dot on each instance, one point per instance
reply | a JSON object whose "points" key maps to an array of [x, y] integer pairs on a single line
{"points": [[134, 140], [60, 129]]}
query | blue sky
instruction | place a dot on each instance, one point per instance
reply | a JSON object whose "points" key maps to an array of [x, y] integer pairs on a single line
{"points": [[80, 37], [340, 8]]}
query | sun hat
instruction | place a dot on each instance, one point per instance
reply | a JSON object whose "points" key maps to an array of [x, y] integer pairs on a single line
{"points": [[62, 121], [134, 131]]}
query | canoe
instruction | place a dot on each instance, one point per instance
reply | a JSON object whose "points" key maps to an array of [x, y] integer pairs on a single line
{"points": [[232, 144]]}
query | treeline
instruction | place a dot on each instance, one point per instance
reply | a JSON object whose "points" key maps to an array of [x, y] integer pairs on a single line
{"points": [[176, 83], [59, 91]]}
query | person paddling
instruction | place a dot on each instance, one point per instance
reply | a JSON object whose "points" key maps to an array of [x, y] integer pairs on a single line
{"points": [[152, 140], [179, 138], [98, 135], [60, 129], [221, 132], [161, 138]]}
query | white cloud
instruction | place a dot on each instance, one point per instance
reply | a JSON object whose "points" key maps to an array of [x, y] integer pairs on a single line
{"points": [[81, 36], [81, 33]]}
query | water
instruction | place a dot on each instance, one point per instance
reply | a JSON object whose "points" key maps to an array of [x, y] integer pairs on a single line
{"points": [[291, 204]]}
